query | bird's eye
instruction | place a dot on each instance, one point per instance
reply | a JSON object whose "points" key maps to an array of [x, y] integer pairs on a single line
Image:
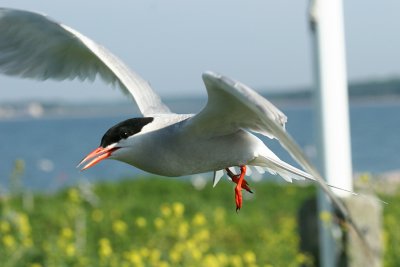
{"points": [[124, 135]]}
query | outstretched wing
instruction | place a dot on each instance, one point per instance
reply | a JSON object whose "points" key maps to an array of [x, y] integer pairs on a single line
{"points": [[232, 106], [34, 46]]}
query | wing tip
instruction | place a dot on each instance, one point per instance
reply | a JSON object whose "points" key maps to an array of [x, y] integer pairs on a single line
{"points": [[210, 75], [213, 77]]}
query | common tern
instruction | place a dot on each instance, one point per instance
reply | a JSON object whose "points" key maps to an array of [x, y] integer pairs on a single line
{"points": [[218, 138]]}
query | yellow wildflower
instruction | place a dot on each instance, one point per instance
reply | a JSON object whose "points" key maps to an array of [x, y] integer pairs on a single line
{"points": [[288, 223], [141, 222], [325, 217], [222, 259], [73, 195], [159, 223], [105, 249], [23, 223], [202, 235], [196, 254], [249, 257], [191, 245], [163, 264], [66, 233], [97, 215], [301, 258], [165, 210], [175, 256], [178, 209], [35, 265], [119, 227], [135, 258], [210, 261], [365, 178], [236, 261], [385, 238], [70, 250], [199, 219], [183, 229], [155, 256], [5, 227], [144, 252], [9, 241]]}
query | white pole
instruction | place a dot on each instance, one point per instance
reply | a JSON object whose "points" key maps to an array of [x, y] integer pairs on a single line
{"points": [[331, 99]]}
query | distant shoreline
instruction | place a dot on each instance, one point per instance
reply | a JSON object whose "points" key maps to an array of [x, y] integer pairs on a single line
{"points": [[45, 109], [374, 92]]}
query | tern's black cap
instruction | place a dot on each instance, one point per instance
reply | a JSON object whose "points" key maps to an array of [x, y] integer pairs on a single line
{"points": [[124, 129]]}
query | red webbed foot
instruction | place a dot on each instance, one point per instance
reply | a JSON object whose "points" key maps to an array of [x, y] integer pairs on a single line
{"points": [[238, 197], [245, 184]]}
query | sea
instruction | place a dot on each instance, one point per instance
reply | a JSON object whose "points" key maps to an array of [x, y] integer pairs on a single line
{"points": [[41, 153]]}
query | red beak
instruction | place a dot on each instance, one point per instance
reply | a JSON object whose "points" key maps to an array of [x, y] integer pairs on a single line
{"points": [[96, 156]]}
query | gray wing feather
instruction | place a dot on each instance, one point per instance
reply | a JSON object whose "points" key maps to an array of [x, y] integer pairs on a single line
{"points": [[232, 105], [34, 46]]}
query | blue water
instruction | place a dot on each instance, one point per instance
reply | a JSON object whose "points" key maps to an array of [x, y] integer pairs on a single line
{"points": [[51, 147]]}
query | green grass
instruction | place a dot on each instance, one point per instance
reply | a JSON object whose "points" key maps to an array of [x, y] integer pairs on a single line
{"points": [[163, 222], [125, 222], [391, 230]]}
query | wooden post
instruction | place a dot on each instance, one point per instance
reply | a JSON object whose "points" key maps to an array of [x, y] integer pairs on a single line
{"points": [[368, 211]]}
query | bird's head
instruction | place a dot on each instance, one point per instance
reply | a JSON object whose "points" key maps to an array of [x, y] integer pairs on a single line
{"points": [[116, 138]]}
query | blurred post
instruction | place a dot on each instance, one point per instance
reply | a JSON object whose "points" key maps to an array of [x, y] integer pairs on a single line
{"points": [[332, 114]]}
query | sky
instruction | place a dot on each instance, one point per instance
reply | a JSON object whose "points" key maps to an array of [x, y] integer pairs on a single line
{"points": [[263, 43]]}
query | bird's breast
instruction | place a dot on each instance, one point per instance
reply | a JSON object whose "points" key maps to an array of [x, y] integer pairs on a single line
{"points": [[168, 153]]}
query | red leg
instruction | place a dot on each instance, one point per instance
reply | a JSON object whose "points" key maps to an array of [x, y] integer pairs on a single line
{"points": [[239, 180]]}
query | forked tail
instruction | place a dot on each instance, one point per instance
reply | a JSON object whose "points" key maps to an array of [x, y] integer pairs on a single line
{"points": [[271, 163]]}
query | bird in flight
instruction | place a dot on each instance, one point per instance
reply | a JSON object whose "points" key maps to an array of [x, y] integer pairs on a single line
{"points": [[219, 137]]}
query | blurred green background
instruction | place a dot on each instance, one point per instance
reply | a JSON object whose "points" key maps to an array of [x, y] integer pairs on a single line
{"points": [[162, 222]]}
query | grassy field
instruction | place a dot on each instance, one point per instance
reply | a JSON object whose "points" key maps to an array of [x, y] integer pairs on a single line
{"points": [[162, 222]]}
